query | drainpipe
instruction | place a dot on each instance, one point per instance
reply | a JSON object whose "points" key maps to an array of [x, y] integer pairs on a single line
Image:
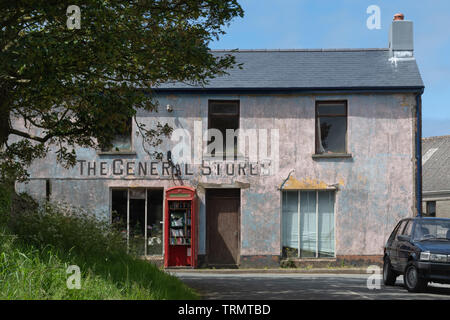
{"points": [[419, 153]]}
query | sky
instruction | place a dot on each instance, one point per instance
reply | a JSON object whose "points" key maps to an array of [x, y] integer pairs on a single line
{"points": [[312, 24]]}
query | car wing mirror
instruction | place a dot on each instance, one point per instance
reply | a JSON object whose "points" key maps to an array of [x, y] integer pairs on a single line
{"points": [[403, 237]]}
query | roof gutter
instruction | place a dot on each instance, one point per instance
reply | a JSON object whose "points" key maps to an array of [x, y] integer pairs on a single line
{"points": [[290, 90]]}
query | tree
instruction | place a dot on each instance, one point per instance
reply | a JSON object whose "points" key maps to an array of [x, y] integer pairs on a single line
{"points": [[78, 87]]}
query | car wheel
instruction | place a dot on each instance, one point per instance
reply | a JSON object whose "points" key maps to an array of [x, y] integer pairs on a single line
{"points": [[412, 279], [389, 275]]}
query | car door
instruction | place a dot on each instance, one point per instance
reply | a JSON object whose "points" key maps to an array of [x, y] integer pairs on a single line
{"points": [[390, 242], [404, 247], [393, 250]]}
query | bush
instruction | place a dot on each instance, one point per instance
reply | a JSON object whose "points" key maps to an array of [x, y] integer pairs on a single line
{"points": [[39, 246], [5, 203], [67, 229]]}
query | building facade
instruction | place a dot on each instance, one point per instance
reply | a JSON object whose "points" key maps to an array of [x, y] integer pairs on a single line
{"points": [[436, 176], [336, 168]]}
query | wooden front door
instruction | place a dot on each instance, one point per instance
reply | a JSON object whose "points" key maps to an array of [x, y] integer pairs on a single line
{"points": [[222, 226]]}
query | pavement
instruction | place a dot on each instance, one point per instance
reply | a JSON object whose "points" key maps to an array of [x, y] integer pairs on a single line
{"points": [[300, 286], [340, 270]]}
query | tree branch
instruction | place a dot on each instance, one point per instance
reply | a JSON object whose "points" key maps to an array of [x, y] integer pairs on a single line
{"points": [[29, 135]]}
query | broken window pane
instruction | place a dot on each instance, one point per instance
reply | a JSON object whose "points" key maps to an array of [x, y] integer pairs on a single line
{"points": [[331, 128]]}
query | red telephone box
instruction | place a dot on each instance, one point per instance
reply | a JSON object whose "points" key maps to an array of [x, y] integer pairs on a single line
{"points": [[180, 227]]}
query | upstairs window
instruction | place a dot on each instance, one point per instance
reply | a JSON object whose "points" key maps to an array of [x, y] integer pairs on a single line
{"points": [[122, 139], [331, 127], [223, 115]]}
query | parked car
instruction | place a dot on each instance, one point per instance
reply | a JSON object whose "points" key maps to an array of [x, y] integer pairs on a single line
{"points": [[418, 249]]}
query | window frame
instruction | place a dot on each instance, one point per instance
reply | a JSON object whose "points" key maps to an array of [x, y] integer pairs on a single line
{"points": [[402, 225], [147, 199], [316, 191], [130, 151], [394, 232], [427, 207], [316, 123], [409, 223], [211, 102]]}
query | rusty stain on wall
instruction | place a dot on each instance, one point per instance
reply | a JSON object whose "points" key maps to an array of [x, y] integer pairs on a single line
{"points": [[309, 184], [304, 184]]}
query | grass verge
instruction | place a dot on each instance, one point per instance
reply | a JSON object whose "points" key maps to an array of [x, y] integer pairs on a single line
{"points": [[39, 243]]}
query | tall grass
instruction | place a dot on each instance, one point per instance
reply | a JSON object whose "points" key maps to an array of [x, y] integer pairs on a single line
{"points": [[39, 244]]}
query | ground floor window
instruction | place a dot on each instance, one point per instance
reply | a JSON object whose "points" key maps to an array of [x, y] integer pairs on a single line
{"points": [[308, 224], [138, 214]]}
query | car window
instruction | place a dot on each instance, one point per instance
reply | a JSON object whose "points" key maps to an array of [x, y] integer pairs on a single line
{"points": [[408, 229], [394, 233], [401, 227], [436, 229]]}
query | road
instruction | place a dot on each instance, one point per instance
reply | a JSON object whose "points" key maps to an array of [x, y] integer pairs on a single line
{"points": [[300, 286]]}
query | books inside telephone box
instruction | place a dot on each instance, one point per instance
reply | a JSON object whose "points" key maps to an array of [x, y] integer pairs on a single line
{"points": [[180, 218]]}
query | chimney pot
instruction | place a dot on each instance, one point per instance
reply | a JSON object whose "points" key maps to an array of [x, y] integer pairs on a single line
{"points": [[399, 16]]}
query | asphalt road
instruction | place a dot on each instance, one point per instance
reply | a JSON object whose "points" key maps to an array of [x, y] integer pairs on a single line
{"points": [[301, 286]]}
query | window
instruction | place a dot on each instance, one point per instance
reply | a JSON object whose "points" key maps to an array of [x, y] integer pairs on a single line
{"points": [[431, 208], [48, 189], [401, 227], [223, 115], [138, 214], [122, 140], [394, 233], [308, 224], [331, 127], [408, 229], [430, 229]]}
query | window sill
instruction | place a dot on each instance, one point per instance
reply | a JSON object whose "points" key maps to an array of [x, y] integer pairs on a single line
{"points": [[331, 155], [116, 153]]}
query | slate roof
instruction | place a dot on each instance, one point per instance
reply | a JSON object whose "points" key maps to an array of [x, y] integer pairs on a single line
{"points": [[436, 169], [314, 69]]}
